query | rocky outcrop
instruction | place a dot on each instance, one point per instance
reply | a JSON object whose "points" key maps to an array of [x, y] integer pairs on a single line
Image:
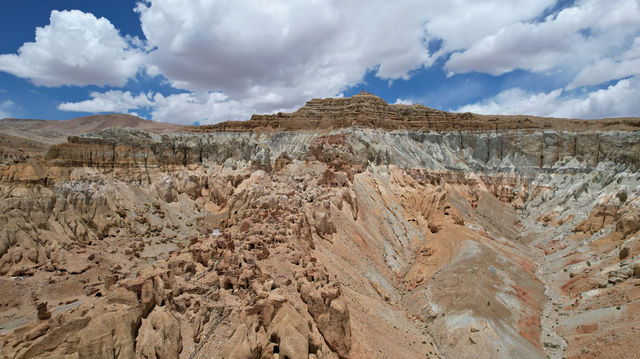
{"points": [[159, 336], [367, 110], [330, 312], [410, 136], [348, 229]]}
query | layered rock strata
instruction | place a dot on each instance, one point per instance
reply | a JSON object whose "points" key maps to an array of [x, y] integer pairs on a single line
{"points": [[273, 240]]}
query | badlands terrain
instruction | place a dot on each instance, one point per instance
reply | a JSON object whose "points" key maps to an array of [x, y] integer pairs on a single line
{"points": [[348, 229]]}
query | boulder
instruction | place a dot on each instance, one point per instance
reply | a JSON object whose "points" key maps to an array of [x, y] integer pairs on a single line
{"points": [[329, 310], [159, 336]]}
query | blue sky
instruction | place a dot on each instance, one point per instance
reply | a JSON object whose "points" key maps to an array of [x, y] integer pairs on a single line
{"points": [[210, 61]]}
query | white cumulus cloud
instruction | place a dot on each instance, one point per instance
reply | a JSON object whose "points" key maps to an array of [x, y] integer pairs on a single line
{"points": [[610, 68], [576, 36], [182, 108], [402, 101], [110, 101], [76, 48], [516, 101], [234, 58], [204, 108], [618, 100], [281, 53]]}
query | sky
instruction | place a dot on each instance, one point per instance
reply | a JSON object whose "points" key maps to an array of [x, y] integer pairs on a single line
{"points": [[207, 61]]}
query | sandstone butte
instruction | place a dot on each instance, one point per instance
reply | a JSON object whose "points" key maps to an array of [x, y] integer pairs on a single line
{"points": [[348, 229]]}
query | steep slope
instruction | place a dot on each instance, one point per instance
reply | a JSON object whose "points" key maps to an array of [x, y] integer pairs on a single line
{"points": [[291, 240]]}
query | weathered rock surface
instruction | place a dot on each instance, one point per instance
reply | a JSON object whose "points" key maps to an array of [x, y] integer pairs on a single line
{"points": [[417, 233]]}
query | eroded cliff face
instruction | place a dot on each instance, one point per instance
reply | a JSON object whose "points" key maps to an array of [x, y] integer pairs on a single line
{"points": [[348, 242], [523, 152]]}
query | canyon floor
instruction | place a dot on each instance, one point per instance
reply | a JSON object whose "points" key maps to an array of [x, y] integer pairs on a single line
{"points": [[348, 229]]}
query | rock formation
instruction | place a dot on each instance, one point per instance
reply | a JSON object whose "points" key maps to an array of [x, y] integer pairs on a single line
{"points": [[348, 229]]}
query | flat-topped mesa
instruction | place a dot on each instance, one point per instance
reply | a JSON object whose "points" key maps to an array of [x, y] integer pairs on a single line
{"points": [[360, 110], [368, 110], [366, 105], [362, 102]]}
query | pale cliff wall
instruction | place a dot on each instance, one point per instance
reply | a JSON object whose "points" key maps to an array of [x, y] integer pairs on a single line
{"points": [[521, 151]]}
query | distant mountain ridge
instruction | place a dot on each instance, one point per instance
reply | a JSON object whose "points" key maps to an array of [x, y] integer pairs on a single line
{"points": [[30, 136], [80, 125]]}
